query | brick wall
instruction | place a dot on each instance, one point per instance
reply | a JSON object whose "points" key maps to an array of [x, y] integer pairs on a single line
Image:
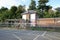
{"points": [[48, 22]]}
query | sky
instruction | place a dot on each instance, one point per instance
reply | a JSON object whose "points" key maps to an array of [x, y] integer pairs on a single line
{"points": [[9, 3]]}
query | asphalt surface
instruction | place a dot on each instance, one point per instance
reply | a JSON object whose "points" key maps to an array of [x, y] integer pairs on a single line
{"points": [[8, 34]]}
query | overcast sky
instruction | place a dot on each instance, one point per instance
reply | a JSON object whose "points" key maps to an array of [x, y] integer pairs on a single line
{"points": [[9, 3]]}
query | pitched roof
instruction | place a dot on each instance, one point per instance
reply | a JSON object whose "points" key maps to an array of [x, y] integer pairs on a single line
{"points": [[29, 12]]}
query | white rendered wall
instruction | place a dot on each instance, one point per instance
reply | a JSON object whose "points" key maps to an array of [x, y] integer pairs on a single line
{"points": [[24, 17], [32, 19]]}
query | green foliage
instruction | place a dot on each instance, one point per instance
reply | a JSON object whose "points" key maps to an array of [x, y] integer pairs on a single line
{"points": [[43, 1], [32, 5], [12, 13], [47, 15], [42, 11], [3, 9], [13, 9], [42, 7], [39, 13], [20, 10], [58, 9], [42, 4], [57, 13]]}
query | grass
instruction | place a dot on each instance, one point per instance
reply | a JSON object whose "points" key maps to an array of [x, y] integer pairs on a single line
{"points": [[51, 29], [45, 29], [37, 28]]}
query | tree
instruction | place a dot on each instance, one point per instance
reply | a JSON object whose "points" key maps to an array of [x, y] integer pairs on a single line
{"points": [[20, 10], [57, 13], [49, 15], [58, 9], [32, 5], [3, 9], [42, 6], [6, 15], [39, 13], [43, 1], [2, 12], [47, 8], [13, 11]]}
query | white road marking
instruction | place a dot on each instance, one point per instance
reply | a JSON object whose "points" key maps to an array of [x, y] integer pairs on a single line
{"points": [[53, 36], [44, 36], [26, 33], [16, 37], [44, 33], [36, 37], [15, 32]]}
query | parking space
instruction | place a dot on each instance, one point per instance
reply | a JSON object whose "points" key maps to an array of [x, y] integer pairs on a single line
{"points": [[28, 35], [6, 36]]}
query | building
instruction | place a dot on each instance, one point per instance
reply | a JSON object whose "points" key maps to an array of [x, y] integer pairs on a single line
{"points": [[33, 18], [30, 16]]}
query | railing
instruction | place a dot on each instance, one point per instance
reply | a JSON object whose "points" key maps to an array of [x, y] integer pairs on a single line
{"points": [[31, 26]]}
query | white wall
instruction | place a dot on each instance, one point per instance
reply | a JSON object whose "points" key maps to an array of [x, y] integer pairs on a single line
{"points": [[24, 17], [32, 17]]}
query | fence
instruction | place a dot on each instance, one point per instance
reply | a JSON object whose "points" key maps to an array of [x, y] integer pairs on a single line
{"points": [[29, 26]]}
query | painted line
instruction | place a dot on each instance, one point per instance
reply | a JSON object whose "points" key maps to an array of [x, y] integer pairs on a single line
{"points": [[26, 33], [44, 33], [36, 37], [53, 36], [16, 37]]}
